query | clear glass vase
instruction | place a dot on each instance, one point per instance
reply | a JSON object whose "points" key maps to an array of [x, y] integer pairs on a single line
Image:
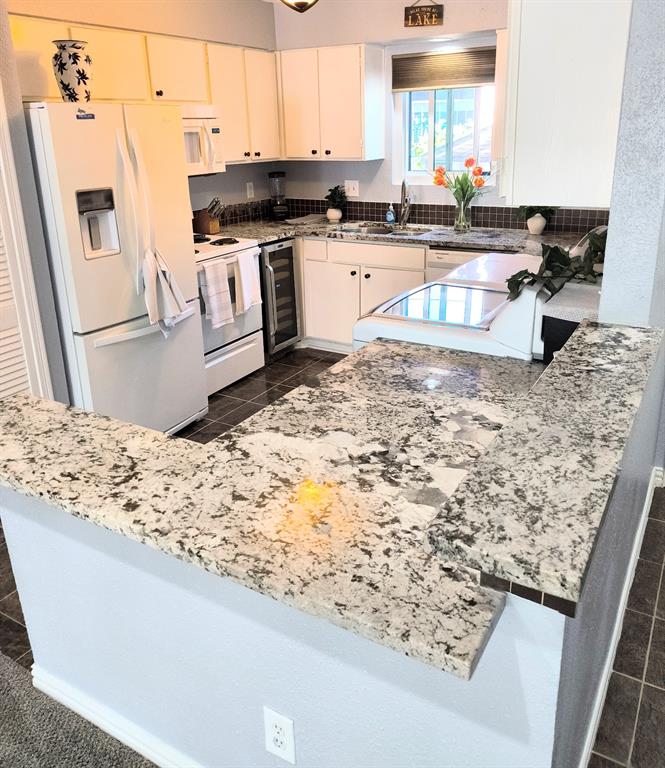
{"points": [[462, 217]]}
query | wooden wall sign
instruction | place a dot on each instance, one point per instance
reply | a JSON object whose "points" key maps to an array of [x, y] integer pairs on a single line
{"points": [[423, 16]]}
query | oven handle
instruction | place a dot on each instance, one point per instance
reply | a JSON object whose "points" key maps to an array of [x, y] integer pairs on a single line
{"points": [[273, 299], [226, 259]]}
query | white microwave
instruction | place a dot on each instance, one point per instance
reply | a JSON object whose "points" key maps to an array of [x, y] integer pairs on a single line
{"points": [[204, 148]]}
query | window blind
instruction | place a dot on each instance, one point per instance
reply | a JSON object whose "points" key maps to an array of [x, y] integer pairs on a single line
{"points": [[427, 71], [13, 372]]}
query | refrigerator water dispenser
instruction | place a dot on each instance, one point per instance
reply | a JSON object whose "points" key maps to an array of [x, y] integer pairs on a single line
{"points": [[99, 227]]}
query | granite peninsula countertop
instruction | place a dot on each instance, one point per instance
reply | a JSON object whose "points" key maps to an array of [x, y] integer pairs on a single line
{"points": [[376, 494], [482, 239], [320, 501], [530, 510]]}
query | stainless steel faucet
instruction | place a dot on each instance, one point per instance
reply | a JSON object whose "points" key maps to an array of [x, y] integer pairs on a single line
{"points": [[405, 205]]}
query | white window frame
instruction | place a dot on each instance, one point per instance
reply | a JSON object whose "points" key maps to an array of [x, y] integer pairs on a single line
{"points": [[401, 150]]}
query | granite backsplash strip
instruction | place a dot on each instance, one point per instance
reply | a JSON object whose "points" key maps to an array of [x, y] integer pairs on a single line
{"points": [[501, 217]]}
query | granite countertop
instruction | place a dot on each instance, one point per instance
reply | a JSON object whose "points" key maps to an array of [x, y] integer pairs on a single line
{"points": [[532, 507], [376, 495], [484, 239], [320, 501]]}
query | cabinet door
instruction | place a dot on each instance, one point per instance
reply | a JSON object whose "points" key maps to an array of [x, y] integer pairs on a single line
{"points": [[226, 65], [341, 102], [379, 285], [331, 300], [119, 63], [34, 49], [177, 69], [261, 78], [300, 102], [564, 136]]}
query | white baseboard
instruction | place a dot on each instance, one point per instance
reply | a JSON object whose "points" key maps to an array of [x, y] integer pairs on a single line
{"points": [[111, 722], [327, 346], [655, 481]]}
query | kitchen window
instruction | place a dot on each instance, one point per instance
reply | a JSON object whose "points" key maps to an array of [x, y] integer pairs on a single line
{"points": [[444, 110], [443, 127]]}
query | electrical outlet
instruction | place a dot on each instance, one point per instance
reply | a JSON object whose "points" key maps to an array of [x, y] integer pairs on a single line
{"points": [[352, 188], [280, 737], [250, 190]]}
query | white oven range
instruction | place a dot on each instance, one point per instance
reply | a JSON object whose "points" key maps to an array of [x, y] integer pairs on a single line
{"points": [[234, 350]]}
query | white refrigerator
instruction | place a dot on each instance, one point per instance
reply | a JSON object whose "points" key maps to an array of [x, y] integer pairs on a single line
{"points": [[111, 177]]}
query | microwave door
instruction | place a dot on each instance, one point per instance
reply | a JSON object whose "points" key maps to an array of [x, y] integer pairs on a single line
{"points": [[196, 147]]}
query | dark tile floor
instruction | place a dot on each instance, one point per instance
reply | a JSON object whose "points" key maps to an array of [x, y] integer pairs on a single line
{"points": [[631, 732], [248, 396]]}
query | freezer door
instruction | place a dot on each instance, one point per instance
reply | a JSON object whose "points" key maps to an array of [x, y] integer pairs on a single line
{"points": [[87, 207], [156, 132], [132, 373]]}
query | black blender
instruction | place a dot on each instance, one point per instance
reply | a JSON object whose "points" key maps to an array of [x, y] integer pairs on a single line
{"points": [[278, 195]]}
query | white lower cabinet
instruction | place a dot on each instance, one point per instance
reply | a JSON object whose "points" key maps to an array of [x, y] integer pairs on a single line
{"points": [[332, 300], [337, 294], [379, 285]]}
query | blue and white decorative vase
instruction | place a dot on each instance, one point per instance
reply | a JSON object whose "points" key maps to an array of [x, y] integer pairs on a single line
{"points": [[72, 68]]}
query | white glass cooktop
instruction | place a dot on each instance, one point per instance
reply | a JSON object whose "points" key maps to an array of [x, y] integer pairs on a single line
{"points": [[449, 304]]}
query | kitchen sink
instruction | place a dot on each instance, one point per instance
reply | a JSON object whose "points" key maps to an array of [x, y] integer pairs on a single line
{"points": [[381, 229], [410, 232]]}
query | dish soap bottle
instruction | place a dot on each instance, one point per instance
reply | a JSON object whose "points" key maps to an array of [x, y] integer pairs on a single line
{"points": [[390, 214]]}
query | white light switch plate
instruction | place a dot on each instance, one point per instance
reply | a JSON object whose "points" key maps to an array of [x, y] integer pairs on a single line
{"points": [[352, 188], [250, 190]]}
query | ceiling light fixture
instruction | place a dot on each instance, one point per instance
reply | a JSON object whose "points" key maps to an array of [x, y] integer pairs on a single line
{"points": [[300, 5]]}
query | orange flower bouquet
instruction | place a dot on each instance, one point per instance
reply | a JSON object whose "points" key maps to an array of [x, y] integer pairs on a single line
{"points": [[465, 187]]}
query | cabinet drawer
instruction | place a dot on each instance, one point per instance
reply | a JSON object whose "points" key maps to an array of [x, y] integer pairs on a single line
{"points": [[316, 250], [377, 255]]}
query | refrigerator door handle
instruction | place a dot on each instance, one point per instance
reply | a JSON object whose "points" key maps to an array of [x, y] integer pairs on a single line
{"points": [[118, 338], [128, 172], [272, 301], [144, 190]]}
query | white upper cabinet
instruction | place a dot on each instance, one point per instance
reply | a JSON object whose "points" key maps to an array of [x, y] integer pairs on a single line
{"points": [[34, 49], [119, 66], [341, 102], [226, 65], [565, 78], [262, 104], [300, 103], [333, 102], [177, 69]]}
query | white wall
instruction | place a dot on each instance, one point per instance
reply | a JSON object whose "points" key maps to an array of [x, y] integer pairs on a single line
{"points": [[242, 22], [230, 186], [336, 22], [189, 659], [633, 290]]}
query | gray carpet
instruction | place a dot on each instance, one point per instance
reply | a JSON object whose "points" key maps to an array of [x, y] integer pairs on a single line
{"points": [[37, 732]]}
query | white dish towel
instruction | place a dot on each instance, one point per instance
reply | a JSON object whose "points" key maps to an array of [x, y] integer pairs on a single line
{"points": [[163, 298], [216, 294], [248, 285]]}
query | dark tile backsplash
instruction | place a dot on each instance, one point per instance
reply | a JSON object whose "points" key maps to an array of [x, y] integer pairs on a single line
{"points": [[564, 220]]}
